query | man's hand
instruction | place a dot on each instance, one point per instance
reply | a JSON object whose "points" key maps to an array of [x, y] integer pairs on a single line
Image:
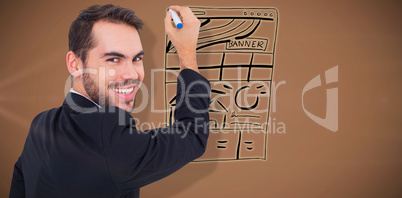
{"points": [[184, 39]]}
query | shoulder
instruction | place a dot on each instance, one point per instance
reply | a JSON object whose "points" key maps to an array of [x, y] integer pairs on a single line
{"points": [[113, 118], [48, 114]]}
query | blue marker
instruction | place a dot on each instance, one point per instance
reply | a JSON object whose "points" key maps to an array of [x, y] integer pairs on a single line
{"points": [[176, 19]]}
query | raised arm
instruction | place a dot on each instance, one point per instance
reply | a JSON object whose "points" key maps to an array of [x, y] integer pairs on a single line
{"points": [[137, 158], [184, 39]]}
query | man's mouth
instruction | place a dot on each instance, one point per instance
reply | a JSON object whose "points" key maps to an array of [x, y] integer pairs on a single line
{"points": [[126, 93], [123, 91]]}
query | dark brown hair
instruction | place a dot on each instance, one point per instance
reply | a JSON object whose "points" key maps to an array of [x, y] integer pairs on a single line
{"points": [[80, 38]]}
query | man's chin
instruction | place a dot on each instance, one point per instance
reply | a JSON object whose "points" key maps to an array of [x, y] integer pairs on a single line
{"points": [[122, 104], [127, 107]]}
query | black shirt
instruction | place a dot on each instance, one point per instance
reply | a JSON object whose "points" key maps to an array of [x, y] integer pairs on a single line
{"points": [[80, 150]]}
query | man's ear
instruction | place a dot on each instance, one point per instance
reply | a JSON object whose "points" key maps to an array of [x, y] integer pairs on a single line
{"points": [[74, 65]]}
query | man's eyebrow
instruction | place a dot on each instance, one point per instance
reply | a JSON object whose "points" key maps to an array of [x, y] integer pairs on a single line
{"points": [[113, 54], [141, 53], [121, 55]]}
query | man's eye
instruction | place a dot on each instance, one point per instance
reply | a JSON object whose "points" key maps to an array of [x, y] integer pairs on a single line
{"points": [[137, 59], [113, 60]]}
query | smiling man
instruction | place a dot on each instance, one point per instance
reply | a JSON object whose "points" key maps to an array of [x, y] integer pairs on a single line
{"points": [[89, 146], [113, 70]]}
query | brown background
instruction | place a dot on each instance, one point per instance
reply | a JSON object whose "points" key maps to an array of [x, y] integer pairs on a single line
{"points": [[361, 159]]}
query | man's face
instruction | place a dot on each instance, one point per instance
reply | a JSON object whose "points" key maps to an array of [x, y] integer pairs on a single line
{"points": [[114, 70]]}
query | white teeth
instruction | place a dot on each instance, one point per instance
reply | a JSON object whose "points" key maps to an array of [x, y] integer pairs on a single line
{"points": [[124, 91]]}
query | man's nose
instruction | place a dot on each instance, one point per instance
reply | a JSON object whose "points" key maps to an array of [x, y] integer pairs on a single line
{"points": [[129, 72]]}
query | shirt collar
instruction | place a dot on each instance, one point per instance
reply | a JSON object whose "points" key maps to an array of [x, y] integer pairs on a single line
{"points": [[73, 91]]}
